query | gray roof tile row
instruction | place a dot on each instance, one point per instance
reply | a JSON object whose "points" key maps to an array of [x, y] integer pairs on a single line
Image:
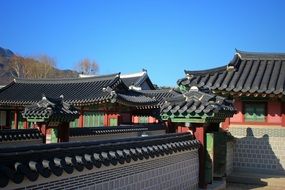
{"points": [[260, 73], [18, 163]]}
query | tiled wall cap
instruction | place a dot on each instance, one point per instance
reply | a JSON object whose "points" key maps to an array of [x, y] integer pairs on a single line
{"points": [[77, 156], [19, 134]]}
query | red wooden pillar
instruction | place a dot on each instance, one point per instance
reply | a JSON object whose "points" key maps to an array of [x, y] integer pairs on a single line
{"points": [[106, 119], [16, 119], [80, 120], [133, 119], [200, 134], [42, 128], [151, 119], [283, 114], [26, 124]]}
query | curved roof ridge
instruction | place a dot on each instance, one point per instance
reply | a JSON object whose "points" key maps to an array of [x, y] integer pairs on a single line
{"points": [[259, 55], [68, 80], [131, 75], [141, 79], [158, 90], [206, 71]]}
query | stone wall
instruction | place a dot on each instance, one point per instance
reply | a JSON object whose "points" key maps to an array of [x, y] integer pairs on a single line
{"points": [[259, 148], [176, 171]]}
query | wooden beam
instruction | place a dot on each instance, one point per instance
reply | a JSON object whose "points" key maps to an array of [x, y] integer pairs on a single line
{"points": [[15, 119], [80, 120], [26, 126], [192, 120], [106, 118]]}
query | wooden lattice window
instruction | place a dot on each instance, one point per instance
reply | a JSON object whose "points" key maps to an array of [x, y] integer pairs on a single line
{"points": [[254, 111], [74, 123], [143, 119], [93, 119]]}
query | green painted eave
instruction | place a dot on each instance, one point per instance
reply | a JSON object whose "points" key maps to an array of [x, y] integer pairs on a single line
{"points": [[36, 119], [191, 120], [212, 118]]}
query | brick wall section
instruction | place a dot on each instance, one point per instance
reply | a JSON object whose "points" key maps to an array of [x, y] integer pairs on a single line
{"points": [[176, 171], [6, 144], [259, 148]]}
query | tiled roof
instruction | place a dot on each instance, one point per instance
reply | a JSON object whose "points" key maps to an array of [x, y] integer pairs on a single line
{"points": [[19, 134], [198, 104], [247, 74], [136, 99], [51, 109], [137, 79], [18, 163], [160, 95], [78, 92], [91, 131]]}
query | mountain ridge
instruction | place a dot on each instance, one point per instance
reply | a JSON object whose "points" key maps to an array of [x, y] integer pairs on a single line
{"points": [[7, 74]]}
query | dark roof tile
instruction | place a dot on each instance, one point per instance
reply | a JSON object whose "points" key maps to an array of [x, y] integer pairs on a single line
{"points": [[51, 109], [75, 91], [17, 163], [137, 80], [79, 91], [160, 95], [135, 98], [195, 103], [261, 73], [19, 134]]}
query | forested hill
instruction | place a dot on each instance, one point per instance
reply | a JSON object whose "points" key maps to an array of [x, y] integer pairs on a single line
{"points": [[16, 66]]}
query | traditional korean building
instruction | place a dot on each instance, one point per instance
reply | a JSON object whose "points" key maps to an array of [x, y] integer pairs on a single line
{"points": [[201, 113], [256, 83], [107, 100], [52, 117], [136, 81]]}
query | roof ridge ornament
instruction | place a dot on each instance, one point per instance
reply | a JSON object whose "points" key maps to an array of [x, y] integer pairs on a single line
{"points": [[194, 88], [230, 68], [44, 97], [238, 52], [118, 75], [131, 75], [133, 87]]}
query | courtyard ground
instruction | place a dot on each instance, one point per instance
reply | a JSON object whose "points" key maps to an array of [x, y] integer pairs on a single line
{"points": [[236, 186], [249, 180]]}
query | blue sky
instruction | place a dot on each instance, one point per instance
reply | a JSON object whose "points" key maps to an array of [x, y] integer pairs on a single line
{"points": [[164, 37]]}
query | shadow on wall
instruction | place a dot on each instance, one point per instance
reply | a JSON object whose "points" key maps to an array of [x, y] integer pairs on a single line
{"points": [[257, 159], [256, 154]]}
